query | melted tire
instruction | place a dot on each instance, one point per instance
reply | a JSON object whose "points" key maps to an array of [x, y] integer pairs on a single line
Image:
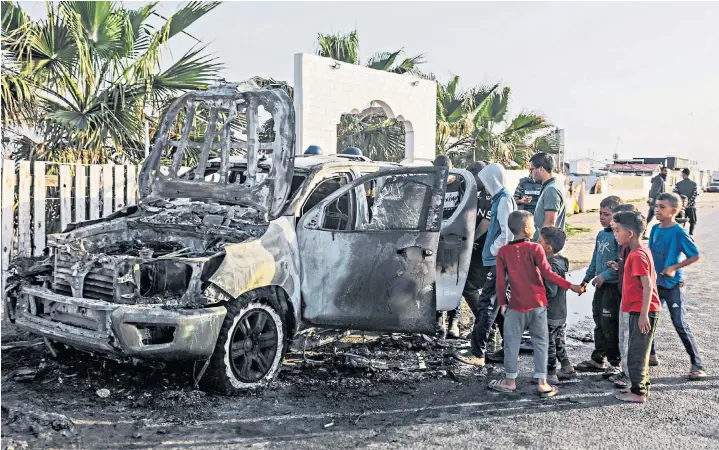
{"points": [[220, 376]]}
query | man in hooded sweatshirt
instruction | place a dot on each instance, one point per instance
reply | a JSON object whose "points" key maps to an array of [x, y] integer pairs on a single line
{"points": [[657, 188], [493, 178]]}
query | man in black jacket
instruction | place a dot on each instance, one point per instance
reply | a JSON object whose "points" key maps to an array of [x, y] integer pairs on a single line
{"points": [[688, 188], [657, 188]]}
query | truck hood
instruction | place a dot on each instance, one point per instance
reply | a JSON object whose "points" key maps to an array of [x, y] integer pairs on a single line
{"points": [[222, 112]]}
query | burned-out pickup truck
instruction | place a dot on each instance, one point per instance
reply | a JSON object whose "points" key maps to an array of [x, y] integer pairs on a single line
{"points": [[224, 263]]}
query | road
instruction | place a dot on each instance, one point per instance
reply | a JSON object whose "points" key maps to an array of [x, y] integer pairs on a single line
{"points": [[322, 400]]}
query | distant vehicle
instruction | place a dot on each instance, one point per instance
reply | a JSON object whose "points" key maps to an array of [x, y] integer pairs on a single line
{"points": [[713, 187], [715, 176]]}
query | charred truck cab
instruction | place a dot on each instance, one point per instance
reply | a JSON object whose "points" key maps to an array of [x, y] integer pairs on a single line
{"points": [[224, 263]]}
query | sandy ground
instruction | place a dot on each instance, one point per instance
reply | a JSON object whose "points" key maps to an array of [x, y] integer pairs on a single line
{"points": [[412, 395]]}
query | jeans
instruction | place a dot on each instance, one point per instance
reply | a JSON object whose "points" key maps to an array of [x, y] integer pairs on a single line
{"points": [[638, 353], [557, 349], [515, 323], [485, 312], [675, 300], [605, 311]]}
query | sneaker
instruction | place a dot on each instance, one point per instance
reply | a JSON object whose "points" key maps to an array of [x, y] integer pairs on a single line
{"points": [[553, 379], [526, 347], [453, 331], [467, 357], [496, 357], [653, 361], [611, 371], [620, 380], [566, 373]]}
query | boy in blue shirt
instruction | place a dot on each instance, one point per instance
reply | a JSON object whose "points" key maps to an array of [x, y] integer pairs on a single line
{"points": [[668, 242]]}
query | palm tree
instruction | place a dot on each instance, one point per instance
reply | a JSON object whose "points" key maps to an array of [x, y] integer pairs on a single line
{"points": [[85, 77], [345, 48], [457, 114], [496, 137]]}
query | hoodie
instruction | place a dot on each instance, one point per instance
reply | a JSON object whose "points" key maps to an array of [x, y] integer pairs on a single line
{"points": [[687, 188], [493, 178], [556, 296], [606, 249], [657, 187]]}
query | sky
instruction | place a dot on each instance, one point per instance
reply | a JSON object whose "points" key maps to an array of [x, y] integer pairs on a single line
{"points": [[639, 78]]}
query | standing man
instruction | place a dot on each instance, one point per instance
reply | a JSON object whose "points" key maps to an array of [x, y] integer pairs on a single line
{"points": [[657, 188], [551, 208], [477, 274], [688, 188], [451, 201], [527, 194], [493, 178]]}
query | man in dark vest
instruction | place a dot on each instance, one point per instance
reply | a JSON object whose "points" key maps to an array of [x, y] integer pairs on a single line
{"points": [[527, 194]]}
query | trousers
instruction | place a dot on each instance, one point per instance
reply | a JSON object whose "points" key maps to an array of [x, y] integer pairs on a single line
{"points": [[605, 311], [515, 323], [638, 350]]}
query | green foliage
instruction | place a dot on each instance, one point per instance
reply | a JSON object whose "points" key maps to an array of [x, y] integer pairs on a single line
{"points": [[84, 77]]}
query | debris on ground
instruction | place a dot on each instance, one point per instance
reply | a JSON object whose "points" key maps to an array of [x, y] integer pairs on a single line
{"points": [[103, 393]]}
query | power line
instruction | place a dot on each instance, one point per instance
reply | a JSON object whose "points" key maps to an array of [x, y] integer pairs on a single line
{"points": [[183, 31]]}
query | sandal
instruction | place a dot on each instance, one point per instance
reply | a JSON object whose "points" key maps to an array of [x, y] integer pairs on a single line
{"points": [[590, 366], [496, 385], [697, 375], [550, 393]]}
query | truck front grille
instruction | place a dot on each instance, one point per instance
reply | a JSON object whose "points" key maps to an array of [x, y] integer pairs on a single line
{"points": [[99, 282]]}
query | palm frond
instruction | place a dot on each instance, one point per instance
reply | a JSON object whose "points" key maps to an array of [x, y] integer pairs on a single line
{"points": [[340, 47]]}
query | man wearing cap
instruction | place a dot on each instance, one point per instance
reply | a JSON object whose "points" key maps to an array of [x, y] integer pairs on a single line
{"points": [[688, 188]]}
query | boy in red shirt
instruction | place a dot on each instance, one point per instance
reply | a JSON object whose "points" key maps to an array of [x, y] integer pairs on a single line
{"points": [[641, 300], [523, 264]]}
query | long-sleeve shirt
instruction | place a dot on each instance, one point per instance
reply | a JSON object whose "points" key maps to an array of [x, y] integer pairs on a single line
{"points": [[606, 249], [657, 188], [523, 264], [688, 188]]}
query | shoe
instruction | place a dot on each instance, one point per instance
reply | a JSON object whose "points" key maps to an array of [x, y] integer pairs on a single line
{"points": [[620, 380], [453, 331], [611, 372], [653, 361], [440, 329], [467, 357], [553, 380], [496, 357], [591, 366], [526, 347], [566, 373]]}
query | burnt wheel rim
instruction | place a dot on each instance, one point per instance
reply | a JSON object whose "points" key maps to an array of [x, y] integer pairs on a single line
{"points": [[253, 346]]}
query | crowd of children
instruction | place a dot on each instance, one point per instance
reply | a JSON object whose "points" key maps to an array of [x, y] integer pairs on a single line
{"points": [[631, 280]]}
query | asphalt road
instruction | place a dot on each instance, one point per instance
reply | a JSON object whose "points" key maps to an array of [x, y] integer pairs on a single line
{"points": [[325, 402]]}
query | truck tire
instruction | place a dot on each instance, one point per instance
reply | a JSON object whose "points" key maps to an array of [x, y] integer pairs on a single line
{"points": [[250, 347]]}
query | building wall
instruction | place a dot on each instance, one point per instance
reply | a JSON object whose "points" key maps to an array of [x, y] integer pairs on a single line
{"points": [[323, 93]]}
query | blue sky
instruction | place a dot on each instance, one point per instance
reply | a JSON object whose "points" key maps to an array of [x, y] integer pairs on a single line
{"points": [[646, 73]]}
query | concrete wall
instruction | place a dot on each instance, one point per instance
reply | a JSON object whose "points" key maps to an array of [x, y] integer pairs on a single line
{"points": [[626, 187], [323, 93]]}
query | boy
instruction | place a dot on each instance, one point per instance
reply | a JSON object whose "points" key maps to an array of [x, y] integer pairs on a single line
{"points": [[552, 240], [621, 380], [641, 301], [493, 178], [517, 264], [668, 242], [607, 297]]}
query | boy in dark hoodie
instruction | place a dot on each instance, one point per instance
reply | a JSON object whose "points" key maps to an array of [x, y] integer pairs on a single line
{"points": [[607, 296], [552, 240]]}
